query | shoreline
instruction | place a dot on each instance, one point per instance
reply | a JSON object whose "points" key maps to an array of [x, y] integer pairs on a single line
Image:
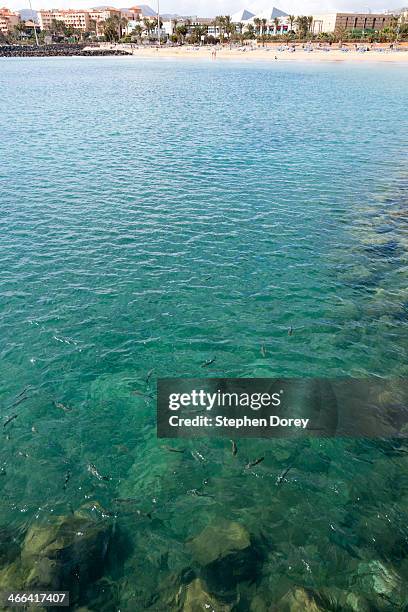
{"points": [[273, 55]]}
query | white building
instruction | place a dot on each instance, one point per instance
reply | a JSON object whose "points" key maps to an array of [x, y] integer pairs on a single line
{"points": [[274, 21]]}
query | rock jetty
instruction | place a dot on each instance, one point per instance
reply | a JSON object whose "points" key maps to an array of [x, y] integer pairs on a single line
{"points": [[55, 50]]}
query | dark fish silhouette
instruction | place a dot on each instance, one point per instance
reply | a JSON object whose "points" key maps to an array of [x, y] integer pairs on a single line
{"points": [[7, 421], [198, 493], [281, 478], [263, 350], [22, 392], [234, 448], [174, 450], [149, 374], [18, 401], [290, 331], [62, 407], [142, 394], [92, 470], [67, 477], [208, 362], [254, 463]]}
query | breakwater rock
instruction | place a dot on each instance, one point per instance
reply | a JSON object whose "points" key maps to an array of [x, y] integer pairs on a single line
{"points": [[55, 50]]}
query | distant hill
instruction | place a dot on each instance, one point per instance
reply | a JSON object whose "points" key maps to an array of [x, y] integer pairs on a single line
{"points": [[147, 11]]}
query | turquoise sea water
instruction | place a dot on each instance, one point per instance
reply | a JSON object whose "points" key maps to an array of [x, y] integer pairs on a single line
{"points": [[157, 214]]}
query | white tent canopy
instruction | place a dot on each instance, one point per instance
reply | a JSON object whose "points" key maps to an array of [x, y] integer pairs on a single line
{"points": [[242, 15], [271, 14]]}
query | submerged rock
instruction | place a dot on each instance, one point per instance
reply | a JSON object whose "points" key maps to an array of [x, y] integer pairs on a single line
{"points": [[224, 549], [9, 548], [66, 554], [225, 552], [356, 603], [377, 579], [197, 598], [298, 600], [220, 540]]}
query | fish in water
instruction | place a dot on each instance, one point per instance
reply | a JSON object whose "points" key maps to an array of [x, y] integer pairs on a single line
{"points": [[208, 362], [174, 450], [62, 407], [198, 493], [290, 331], [22, 392], [11, 418], [234, 447], [263, 350], [18, 401], [149, 374], [281, 478], [92, 470], [67, 477], [142, 394], [198, 456], [254, 463]]}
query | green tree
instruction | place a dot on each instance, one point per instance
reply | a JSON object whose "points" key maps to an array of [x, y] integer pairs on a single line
{"points": [[220, 23], [302, 24], [250, 32], [257, 24], [19, 30], [138, 31], [148, 26], [181, 32], [111, 29]]}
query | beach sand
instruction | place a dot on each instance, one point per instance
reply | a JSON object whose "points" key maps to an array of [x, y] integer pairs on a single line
{"points": [[379, 54]]}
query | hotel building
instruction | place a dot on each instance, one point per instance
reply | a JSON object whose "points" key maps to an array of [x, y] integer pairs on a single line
{"points": [[332, 22], [8, 20], [80, 19]]}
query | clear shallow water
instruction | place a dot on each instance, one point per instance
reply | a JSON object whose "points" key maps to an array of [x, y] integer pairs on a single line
{"points": [[158, 214]]}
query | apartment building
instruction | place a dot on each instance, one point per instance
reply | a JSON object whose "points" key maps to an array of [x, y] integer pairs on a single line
{"points": [[78, 19], [8, 20], [331, 22]]}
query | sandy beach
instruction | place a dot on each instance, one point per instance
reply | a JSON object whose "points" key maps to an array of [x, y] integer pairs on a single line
{"points": [[381, 53]]}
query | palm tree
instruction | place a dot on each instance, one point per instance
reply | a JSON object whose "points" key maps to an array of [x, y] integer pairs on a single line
{"points": [[264, 22], [19, 29], [228, 25], [276, 22], [181, 32], [123, 23], [341, 34], [257, 23], [250, 33], [291, 19], [148, 25], [111, 28], [220, 21], [302, 23], [309, 23], [138, 32]]}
